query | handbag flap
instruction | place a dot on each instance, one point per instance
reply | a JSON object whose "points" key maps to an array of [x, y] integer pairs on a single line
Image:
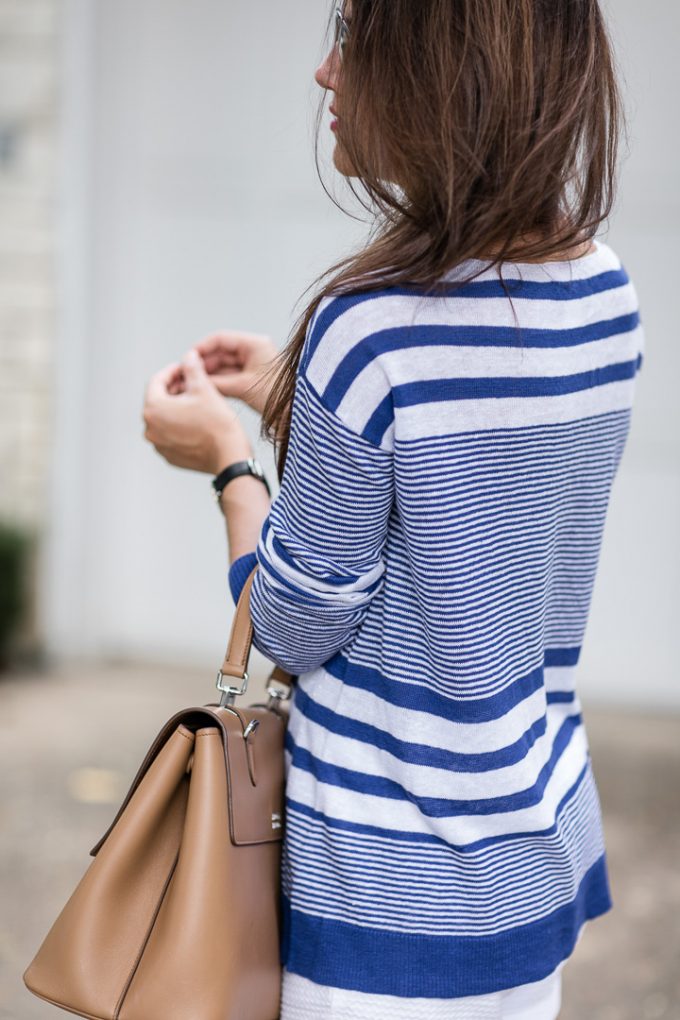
{"points": [[254, 764], [255, 780]]}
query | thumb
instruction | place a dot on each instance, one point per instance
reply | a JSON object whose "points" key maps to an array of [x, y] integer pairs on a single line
{"points": [[195, 374]]}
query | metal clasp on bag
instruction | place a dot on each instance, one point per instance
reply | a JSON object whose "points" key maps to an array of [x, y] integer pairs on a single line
{"points": [[230, 691], [277, 694]]}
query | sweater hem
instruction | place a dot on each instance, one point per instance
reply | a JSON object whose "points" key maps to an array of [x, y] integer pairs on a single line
{"points": [[342, 955]]}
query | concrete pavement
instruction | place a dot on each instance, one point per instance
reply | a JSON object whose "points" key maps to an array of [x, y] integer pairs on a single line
{"points": [[73, 738]]}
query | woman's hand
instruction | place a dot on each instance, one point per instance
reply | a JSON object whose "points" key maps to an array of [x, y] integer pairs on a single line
{"points": [[236, 364], [189, 423]]}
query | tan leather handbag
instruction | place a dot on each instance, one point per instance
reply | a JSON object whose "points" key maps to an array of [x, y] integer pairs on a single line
{"points": [[177, 917]]}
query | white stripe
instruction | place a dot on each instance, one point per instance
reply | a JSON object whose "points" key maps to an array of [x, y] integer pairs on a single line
{"points": [[367, 809], [472, 362], [429, 781], [441, 418], [371, 316], [402, 886], [418, 727]]}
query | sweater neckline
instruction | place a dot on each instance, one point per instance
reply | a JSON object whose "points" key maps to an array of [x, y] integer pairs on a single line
{"points": [[550, 268]]}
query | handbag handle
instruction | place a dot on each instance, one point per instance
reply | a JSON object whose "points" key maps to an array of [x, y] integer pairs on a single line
{"points": [[235, 663]]}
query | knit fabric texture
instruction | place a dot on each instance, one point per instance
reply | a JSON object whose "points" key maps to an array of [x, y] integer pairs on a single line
{"points": [[426, 570]]}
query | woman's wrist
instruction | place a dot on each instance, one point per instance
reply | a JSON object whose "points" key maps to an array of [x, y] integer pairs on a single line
{"points": [[245, 504], [243, 491]]}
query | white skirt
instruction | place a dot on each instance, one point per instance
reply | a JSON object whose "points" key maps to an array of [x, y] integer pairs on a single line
{"points": [[302, 999]]}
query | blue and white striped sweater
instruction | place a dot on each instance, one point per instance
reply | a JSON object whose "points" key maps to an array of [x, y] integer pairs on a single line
{"points": [[427, 570]]}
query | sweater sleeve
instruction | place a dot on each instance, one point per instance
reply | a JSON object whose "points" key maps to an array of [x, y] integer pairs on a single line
{"points": [[320, 549], [239, 572]]}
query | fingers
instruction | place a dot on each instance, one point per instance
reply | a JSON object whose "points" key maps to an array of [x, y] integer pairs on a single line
{"points": [[227, 342], [161, 382], [221, 348], [232, 359], [234, 349], [233, 383], [218, 362]]}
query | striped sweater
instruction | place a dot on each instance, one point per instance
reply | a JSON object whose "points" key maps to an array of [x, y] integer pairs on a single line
{"points": [[426, 569]]}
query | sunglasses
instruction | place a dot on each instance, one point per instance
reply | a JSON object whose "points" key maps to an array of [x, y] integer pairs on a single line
{"points": [[341, 32]]}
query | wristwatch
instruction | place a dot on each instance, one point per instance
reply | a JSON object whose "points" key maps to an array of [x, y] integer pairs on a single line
{"points": [[241, 467]]}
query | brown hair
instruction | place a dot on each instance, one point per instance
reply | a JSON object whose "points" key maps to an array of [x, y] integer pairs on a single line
{"points": [[499, 119]]}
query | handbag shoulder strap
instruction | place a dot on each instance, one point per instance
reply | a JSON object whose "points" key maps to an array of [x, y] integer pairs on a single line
{"points": [[241, 639]]}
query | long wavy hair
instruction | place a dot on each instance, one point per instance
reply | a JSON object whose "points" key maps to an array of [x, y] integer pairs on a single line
{"points": [[476, 129]]}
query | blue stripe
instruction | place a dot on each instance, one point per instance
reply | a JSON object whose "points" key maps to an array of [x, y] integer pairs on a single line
{"points": [[377, 425], [414, 753], [377, 961], [423, 699], [428, 390], [561, 697], [433, 807], [410, 836], [536, 290], [487, 387], [407, 337], [552, 290], [562, 656]]}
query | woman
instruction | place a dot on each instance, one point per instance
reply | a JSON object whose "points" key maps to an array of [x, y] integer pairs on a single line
{"points": [[450, 414]]}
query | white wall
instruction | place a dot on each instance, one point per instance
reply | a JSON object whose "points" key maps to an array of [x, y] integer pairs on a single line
{"points": [[631, 651], [188, 167]]}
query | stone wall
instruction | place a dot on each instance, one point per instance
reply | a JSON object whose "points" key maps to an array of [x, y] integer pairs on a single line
{"points": [[28, 140], [28, 113]]}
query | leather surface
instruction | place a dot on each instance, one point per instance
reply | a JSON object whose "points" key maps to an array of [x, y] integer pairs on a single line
{"points": [[92, 948], [251, 805], [256, 785], [240, 642], [177, 916], [213, 951], [241, 639]]}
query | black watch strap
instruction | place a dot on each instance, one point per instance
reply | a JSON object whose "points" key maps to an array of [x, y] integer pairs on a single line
{"points": [[241, 467]]}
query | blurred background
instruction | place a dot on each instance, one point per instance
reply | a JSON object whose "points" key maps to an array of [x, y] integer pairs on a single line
{"points": [[157, 182]]}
